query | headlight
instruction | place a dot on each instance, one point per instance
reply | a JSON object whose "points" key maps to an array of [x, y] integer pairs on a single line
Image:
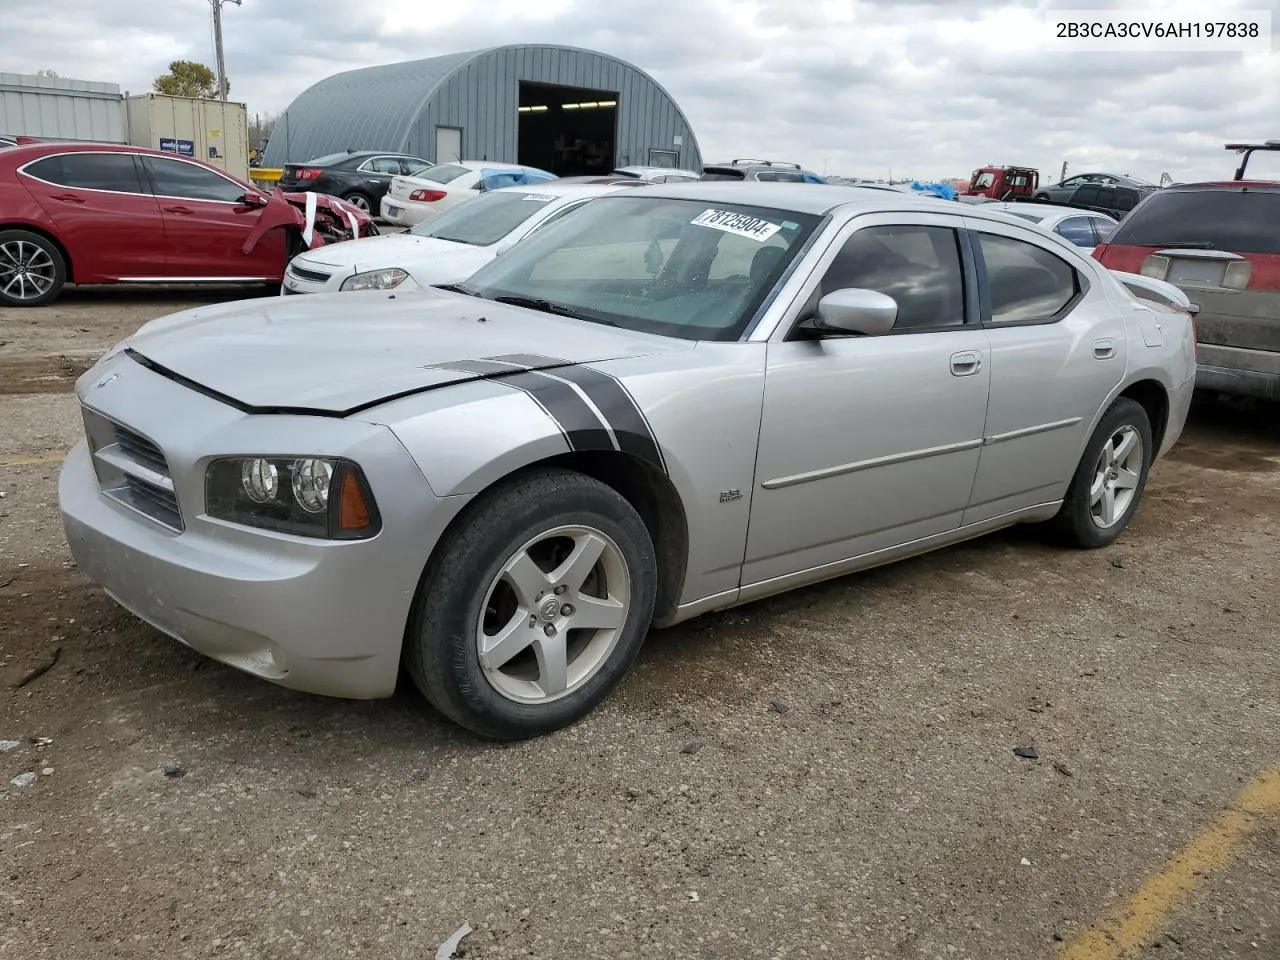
{"points": [[309, 496], [387, 279]]}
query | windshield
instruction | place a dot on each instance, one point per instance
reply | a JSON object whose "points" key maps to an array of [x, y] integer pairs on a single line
{"points": [[442, 172], [683, 268], [486, 219]]}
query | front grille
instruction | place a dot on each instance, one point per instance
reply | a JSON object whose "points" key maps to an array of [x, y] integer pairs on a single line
{"points": [[315, 276], [132, 470]]}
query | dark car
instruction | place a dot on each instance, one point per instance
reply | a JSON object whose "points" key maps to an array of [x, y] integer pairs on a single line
{"points": [[361, 177], [1062, 191], [1219, 243], [1114, 201], [759, 170]]}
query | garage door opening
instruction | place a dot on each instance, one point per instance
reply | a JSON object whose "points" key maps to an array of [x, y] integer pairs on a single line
{"points": [[567, 130]]}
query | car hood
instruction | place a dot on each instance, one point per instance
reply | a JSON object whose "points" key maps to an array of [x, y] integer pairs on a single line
{"points": [[390, 250], [340, 352]]}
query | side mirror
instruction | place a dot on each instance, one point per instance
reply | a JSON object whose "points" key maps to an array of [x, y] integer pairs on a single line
{"points": [[253, 200], [854, 310]]}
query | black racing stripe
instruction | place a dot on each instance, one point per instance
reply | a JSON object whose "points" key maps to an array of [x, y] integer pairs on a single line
{"points": [[579, 423], [620, 411], [532, 360], [484, 368]]}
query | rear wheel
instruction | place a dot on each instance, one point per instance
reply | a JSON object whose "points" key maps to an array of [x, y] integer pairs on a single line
{"points": [[359, 200], [32, 269], [533, 608], [1108, 483]]}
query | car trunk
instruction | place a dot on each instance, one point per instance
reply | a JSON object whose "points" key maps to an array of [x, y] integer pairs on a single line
{"points": [[294, 173]]}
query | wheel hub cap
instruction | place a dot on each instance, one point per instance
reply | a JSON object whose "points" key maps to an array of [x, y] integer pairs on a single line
{"points": [[1116, 477], [550, 609]]}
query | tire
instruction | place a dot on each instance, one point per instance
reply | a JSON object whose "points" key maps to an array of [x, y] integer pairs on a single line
{"points": [[360, 201], [32, 269], [1081, 521], [530, 519], [1041, 198]]}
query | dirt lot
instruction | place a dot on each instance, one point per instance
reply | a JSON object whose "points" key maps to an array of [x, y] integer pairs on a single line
{"points": [[855, 792]]}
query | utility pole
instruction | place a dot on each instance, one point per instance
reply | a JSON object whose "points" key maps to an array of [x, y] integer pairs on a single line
{"points": [[217, 44]]}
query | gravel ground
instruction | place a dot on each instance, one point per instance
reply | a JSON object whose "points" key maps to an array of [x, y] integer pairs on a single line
{"points": [[829, 773]]}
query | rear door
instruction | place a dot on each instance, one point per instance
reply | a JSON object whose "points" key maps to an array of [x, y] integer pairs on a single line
{"points": [[1056, 353], [103, 213], [206, 225]]}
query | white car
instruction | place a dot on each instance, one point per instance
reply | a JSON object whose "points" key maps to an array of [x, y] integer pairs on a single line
{"points": [[410, 200], [445, 249], [1084, 228]]}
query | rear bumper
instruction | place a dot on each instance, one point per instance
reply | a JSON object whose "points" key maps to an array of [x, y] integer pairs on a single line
{"points": [[1238, 371], [405, 213]]}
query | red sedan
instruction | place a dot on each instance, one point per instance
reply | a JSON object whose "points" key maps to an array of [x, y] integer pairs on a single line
{"points": [[98, 213]]}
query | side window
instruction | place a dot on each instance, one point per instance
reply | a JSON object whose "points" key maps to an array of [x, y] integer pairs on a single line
{"points": [[554, 217], [1078, 230], [382, 165], [1106, 198], [1026, 282], [918, 266], [174, 178], [984, 180], [90, 171], [1103, 228], [407, 167]]}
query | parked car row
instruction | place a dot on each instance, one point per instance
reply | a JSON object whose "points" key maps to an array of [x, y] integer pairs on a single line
{"points": [[611, 424]]}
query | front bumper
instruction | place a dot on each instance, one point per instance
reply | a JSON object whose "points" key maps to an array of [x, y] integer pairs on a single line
{"points": [[314, 615], [305, 277]]}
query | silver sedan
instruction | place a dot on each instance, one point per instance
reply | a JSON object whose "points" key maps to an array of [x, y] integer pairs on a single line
{"points": [[667, 402]]}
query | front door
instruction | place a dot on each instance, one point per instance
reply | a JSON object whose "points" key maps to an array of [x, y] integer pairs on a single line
{"points": [[102, 212], [868, 442], [1054, 353], [206, 225]]}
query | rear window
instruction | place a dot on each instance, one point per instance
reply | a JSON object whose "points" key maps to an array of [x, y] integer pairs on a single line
{"points": [[722, 173], [327, 160], [442, 173], [1236, 221]]}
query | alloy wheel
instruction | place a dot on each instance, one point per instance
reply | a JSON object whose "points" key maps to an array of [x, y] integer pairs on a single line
{"points": [[27, 272], [553, 614], [1116, 477]]}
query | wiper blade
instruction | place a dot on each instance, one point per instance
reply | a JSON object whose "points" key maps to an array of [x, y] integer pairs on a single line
{"points": [[534, 303], [456, 288]]}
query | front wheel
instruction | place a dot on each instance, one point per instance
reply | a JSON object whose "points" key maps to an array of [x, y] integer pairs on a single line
{"points": [[1110, 478], [534, 608]]}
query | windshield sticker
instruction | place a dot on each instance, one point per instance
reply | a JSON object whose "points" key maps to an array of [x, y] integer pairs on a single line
{"points": [[538, 197], [736, 223]]}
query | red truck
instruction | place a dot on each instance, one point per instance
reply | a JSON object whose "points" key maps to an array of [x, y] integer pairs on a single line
{"points": [[1002, 183]]}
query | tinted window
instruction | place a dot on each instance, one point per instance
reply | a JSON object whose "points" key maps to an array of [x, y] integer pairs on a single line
{"points": [[918, 266], [1235, 220], [409, 166], [722, 173], [1087, 195], [173, 178], [484, 220], [1103, 228], [90, 171], [782, 177], [328, 160], [1025, 281], [1079, 230]]}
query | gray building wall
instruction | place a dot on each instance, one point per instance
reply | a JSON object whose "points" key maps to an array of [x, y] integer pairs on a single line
{"points": [[398, 106], [56, 108]]}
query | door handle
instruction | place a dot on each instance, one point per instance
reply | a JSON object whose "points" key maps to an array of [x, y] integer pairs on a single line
{"points": [[68, 197], [1104, 349], [178, 210], [966, 364]]}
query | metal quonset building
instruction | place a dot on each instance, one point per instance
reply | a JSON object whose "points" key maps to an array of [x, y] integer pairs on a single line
{"points": [[567, 110]]}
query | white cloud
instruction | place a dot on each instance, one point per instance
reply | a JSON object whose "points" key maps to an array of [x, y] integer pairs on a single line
{"points": [[923, 87]]}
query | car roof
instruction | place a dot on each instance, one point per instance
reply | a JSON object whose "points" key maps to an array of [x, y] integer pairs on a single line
{"points": [[487, 165], [26, 152], [1267, 186], [1047, 209], [553, 188]]}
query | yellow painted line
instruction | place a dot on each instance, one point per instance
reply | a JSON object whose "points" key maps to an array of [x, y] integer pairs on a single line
{"points": [[28, 461], [1130, 926]]}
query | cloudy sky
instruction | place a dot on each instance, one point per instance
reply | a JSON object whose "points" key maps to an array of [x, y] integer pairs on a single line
{"points": [[855, 87]]}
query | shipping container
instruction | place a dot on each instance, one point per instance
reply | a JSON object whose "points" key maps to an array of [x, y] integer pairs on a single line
{"points": [[58, 108], [214, 131]]}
